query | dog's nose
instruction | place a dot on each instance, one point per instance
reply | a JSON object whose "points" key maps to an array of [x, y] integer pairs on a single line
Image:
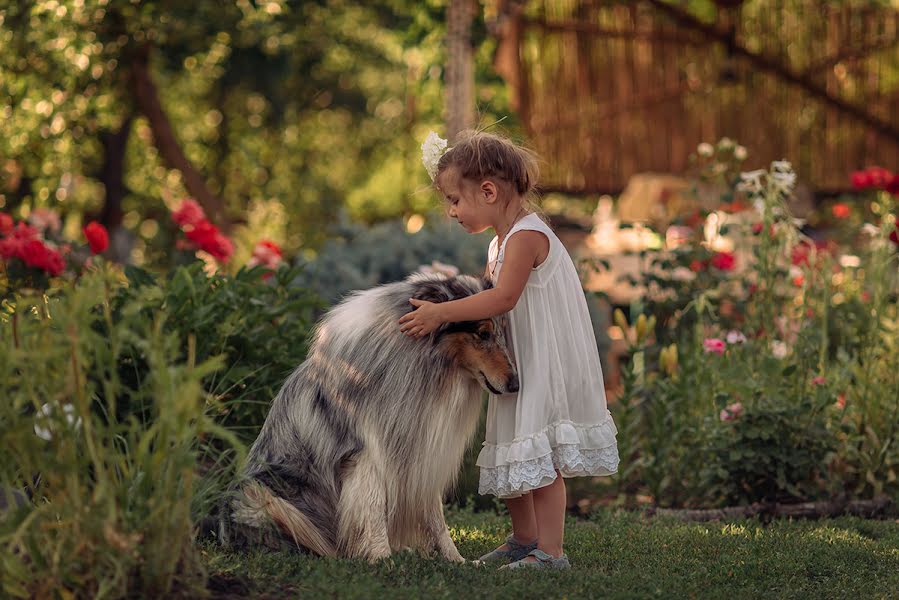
{"points": [[512, 384]]}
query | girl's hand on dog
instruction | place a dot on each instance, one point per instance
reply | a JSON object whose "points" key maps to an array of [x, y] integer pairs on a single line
{"points": [[421, 321]]}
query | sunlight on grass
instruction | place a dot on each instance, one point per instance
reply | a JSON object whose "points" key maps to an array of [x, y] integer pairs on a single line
{"points": [[737, 530], [472, 534], [832, 535]]}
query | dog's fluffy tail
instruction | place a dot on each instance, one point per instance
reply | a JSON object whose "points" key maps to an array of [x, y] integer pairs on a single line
{"points": [[259, 505]]}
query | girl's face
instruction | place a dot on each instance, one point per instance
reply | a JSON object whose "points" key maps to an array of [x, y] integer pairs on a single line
{"points": [[467, 202]]}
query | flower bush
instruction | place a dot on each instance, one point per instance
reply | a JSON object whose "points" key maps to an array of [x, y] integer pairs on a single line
{"points": [[775, 378]]}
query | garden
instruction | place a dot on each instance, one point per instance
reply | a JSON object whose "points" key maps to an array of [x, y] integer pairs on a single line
{"points": [[186, 191]]}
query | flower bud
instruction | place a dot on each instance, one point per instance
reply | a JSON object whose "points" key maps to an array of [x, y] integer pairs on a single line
{"points": [[641, 328]]}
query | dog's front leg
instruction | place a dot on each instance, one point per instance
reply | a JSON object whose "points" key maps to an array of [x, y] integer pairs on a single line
{"points": [[362, 511], [438, 533]]}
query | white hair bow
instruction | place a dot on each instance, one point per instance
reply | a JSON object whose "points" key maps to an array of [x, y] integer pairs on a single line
{"points": [[431, 150]]}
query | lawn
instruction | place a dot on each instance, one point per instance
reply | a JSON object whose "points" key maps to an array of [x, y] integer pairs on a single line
{"points": [[614, 555]]}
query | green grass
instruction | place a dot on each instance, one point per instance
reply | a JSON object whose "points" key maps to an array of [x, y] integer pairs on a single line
{"points": [[614, 555]]}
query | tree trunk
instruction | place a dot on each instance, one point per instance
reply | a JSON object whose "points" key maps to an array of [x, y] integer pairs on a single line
{"points": [[112, 175], [460, 68], [147, 98]]}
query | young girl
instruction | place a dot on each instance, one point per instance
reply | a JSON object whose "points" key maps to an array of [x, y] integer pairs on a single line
{"points": [[558, 424]]}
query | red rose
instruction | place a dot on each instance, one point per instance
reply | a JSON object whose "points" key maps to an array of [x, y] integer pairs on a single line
{"points": [[893, 185], [207, 237], [266, 253], [799, 255], [724, 261], [840, 210], [189, 213], [860, 180], [97, 237], [36, 254], [878, 177], [894, 236], [13, 244], [757, 228], [6, 223], [697, 265]]}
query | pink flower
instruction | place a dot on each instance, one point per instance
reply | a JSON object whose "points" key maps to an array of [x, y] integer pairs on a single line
{"points": [[266, 253], [97, 237], [735, 337], [189, 213], [841, 401], [731, 412], [819, 380], [714, 345], [45, 219]]}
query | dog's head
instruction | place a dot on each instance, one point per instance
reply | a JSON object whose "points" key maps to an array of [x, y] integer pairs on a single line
{"points": [[477, 347]]}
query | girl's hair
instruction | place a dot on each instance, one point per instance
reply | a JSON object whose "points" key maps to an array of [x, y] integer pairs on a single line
{"points": [[479, 155]]}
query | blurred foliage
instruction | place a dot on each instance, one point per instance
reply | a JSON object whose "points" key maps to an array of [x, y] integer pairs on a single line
{"points": [[314, 106]]}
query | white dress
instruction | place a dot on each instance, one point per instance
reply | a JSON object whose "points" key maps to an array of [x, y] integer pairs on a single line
{"points": [[559, 418]]}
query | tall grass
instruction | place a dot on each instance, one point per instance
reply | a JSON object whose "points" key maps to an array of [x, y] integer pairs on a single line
{"points": [[104, 506]]}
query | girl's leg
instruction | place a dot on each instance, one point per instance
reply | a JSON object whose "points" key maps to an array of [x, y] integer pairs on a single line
{"points": [[549, 512], [524, 523]]}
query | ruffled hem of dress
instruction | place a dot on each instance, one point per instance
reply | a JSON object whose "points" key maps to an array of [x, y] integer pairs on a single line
{"points": [[509, 481], [540, 444], [528, 463]]}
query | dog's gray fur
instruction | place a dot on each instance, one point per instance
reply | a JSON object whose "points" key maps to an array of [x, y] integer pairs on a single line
{"points": [[367, 435]]}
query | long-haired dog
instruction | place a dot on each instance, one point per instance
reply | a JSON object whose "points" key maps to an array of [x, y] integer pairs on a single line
{"points": [[367, 435]]}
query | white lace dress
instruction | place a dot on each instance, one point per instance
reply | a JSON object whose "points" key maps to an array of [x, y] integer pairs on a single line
{"points": [[559, 418]]}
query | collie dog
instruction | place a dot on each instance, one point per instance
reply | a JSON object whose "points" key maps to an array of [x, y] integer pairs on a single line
{"points": [[366, 436]]}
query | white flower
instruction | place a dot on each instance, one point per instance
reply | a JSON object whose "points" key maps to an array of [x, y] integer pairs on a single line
{"points": [[705, 149], [850, 261], [779, 349], [752, 181], [735, 337], [872, 230], [759, 205], [41, 421], [782, 166], [431, 150], [740, 153], [783, 181], [725, 143]]}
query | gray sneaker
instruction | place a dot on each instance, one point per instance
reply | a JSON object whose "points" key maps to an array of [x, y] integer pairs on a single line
{"points": [[544, 561], [516, 551]]}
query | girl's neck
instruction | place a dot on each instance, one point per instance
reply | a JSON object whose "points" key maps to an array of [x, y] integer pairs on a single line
{"points": [[513, 212]]}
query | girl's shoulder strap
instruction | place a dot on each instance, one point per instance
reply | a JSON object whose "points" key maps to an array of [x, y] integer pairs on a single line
{"points": [[528, 222]]}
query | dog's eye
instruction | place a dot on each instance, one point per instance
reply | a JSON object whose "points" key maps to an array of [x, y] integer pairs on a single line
{"points": [[484, 334]]}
